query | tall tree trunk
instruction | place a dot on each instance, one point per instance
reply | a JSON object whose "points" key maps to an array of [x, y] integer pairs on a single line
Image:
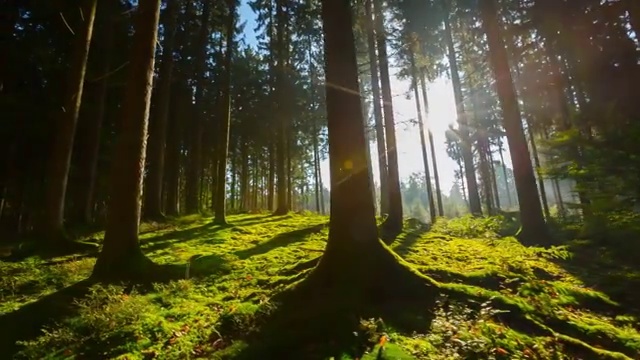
{"points": [[244, 175], [281, 145], [423, 145], [194, 171], [538, 168], [234, 176], [158, 124], [494, 180], [52, 224], [463, 123], [377, 109], [504, 171], [121, 256], [181, 105], [272, 176], [533, 224], [393, 224], [225, 119], [436, 176], [88, 159]]}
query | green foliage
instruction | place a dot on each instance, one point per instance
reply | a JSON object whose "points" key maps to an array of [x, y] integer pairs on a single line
{"points": [[469, 226], [492, 284]]}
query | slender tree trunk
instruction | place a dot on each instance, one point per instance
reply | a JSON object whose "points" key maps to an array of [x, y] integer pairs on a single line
{"points": [[423, 145], [182, 108], [494, 180], [158, 124], [467, 153], [88, 159], [225, 119], [52, 225], [377, 109], [533, 224], [538, 168], [194, 171], [436, 176], [234, 171], [121, 256], [504, 171], [393, 224], [272, 177], [281, 146], [463, 186], [244, 175]]}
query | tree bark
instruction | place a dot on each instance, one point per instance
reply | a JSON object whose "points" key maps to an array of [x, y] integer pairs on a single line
{"points": [[281, 146], [533, 224], [504, 171], [181, 105], [423, 145], [225, 120], [52, 225], [194, 171], [121, 256], [88, 159], [393, 224], [377, 109], [158, 125], [436, 176], [463, 124]]}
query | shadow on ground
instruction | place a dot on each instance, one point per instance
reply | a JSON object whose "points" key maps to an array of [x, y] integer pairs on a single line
{"points": [[280, 240], [611, 270], [324, 325]]}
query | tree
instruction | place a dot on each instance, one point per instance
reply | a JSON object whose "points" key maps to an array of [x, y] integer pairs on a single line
{"points": [[52, 223], [533, 224], [121, 256], [158, 125], [225, 119]]}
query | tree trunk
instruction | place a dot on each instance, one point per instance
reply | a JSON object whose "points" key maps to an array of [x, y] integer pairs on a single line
{"points": [[504, 171], [88, 159], [121, 257], [463, 124], [234, 176], [181, 108], [272, 177], [533, 224], [393, 224], [436, 176], [423, 145], [225, 120], [244, 175], [158, 124], [281, 146], [377, 109], [194, 171], [494, 180], [538, 169], [52, 225]]}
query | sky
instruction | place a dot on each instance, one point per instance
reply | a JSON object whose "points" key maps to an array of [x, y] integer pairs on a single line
{"points": [[442, 113]]}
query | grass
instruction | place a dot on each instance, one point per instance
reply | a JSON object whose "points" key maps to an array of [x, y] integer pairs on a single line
{"points": [[498, 299]]}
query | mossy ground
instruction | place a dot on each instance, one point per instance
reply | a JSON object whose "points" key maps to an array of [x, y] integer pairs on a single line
{"points": [[495, 298]]}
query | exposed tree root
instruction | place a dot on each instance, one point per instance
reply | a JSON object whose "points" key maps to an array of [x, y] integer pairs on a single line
{"points": [[318, 316], [135, 268]]}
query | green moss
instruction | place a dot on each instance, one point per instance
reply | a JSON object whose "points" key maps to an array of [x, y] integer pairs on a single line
{"points": [[503, 300]]}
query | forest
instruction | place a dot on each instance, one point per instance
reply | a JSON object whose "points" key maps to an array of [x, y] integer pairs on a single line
{"points": [[224, 179]]}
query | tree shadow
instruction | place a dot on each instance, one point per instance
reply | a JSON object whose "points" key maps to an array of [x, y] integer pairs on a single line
{"points": [[280, 240], [166, 240], [28, 321], [328, 324], [614, 271], [407, 241], [261, 219]]}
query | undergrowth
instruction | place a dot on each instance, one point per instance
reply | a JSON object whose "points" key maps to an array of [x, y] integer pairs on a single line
{"points": [[239, 269]]}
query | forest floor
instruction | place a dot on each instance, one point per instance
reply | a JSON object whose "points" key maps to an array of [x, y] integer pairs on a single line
{"points": [[586, 299]]}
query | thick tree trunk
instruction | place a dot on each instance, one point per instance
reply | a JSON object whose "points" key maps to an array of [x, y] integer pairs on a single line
{"points": [[225, 120], [423, 142], [88, 158], [121, 256], [52, 224], [436, 176], [393, 224], [463, 123], [538, 169], [377, 109], [158, 124], [533, 224]]}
